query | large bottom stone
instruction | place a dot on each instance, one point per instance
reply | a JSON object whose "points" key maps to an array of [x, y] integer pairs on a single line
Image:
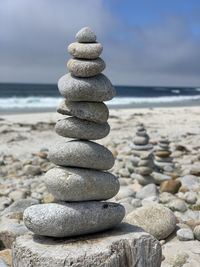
{"points": [[72, 219], [124, 246]]}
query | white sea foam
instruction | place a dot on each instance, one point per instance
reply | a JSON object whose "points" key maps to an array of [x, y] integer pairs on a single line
{"points": [[52, 102]]}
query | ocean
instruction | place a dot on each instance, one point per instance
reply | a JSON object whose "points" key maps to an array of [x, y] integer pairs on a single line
{"points": [[15, 97]]}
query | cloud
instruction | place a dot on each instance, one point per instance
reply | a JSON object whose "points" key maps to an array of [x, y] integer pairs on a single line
{"points": [[34, 36]]}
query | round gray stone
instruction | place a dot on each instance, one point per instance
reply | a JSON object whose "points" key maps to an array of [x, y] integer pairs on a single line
{"points": [[141, 140], [73, 127], [143, 179], [185, 234], [86, 35], [94, 89], [124, 246], [91, 111], [84, 154], [72, 219], [85, 51], [157, 220], [76, 184], [85, 68]]}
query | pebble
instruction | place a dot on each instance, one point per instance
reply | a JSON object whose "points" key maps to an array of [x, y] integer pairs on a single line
{"points": [[157, 220], [141, 140], [70, 219], [17, 195], [32, 170], [143, 170], [160, 177], [197, 232], [76, 184], [91, 111], [147, 191], [195, 170], [177, 205], [190, 197], [2, 263], [84, 154], [166, 197], [170, 186], [85, 68], [86, 35], [73, 127], [185, 234], [94, 89], [124, 192], [85, 51]]}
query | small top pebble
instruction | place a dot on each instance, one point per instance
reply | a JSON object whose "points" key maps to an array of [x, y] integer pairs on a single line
{"points": [[86, 35]]}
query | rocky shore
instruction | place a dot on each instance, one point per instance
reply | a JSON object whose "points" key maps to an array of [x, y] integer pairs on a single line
{"points": [[168, 207]]}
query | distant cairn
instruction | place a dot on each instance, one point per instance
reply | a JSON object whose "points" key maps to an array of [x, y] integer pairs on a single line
{"points": [[80, 180], [162, 159]]}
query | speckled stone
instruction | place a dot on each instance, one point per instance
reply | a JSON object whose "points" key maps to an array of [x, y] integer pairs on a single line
{"points": [[73, 127], [157, 220], [85, 51], [85, 68], [94, 89], [91, 111], [84, 154], [72, 219], [76, 184], [86, 35]]}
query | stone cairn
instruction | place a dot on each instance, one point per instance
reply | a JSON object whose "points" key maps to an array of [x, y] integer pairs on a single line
{"points": [[162, 159], [144, 170], [80, 181], [140, 144]]}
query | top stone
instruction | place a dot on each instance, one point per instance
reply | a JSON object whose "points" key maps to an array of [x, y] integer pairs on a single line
{"points": [[86, 35]]}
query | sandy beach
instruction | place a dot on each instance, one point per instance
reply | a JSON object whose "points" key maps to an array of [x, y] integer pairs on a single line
{"points": [[25, 139]]}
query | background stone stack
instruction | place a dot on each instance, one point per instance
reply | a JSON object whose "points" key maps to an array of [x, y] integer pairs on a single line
{"points": [[162, 158], [144, 170], [80, 179], [140, 144]]}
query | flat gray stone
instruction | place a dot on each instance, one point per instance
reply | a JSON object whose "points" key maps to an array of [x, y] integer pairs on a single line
{"points": [[77, 184], [85, 68], [142, 147], [86, 35], [157, 220], [84, 154], [94, 89], [73, 127], [141, 140], [85, 51], [72, 219], [160, 177], [143, 179], [91, 111], [126, 246]]}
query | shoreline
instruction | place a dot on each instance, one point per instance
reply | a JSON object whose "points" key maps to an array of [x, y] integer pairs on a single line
{"points": [[177, 104]]}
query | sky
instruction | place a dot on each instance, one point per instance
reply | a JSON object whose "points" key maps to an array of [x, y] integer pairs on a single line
{"points": [[146, 42]]}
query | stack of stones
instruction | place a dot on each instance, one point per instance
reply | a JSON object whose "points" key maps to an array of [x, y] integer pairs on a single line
{"points": [[162, 158], [140, 144], [80, 181], [141, 139], [144, 170]]}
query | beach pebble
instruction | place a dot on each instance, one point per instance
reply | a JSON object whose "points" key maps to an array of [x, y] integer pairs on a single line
{"points": [[185, 234], [17, 195], [86, 35], [2, 263], [91, 111], [73, 127], [197, 232], [195, 170], [76, 184], [157, 220], [149, 190], [71, 219], [124, 192], [190, 197], [170, 186], [160, 177], [85, 68], [95, 89], [32, 170], [166, 197], [190, 181], [85, 51], [177, 205], [143, 170], [84, 154]]}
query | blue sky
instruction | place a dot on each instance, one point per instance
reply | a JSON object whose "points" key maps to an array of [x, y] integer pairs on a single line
{"points": [[146, 42]]}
